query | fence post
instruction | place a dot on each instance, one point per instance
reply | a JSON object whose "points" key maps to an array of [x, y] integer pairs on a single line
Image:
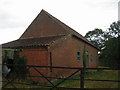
{"points": [[82, 78]]}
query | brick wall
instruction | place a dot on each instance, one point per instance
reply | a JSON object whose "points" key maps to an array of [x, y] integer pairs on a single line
{"points": [[43, 26], [39, 57], [64, 53]]}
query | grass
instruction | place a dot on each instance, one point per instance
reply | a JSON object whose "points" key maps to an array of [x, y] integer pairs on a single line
{"points": [[99, 75], [103, 75], [27, 84]]}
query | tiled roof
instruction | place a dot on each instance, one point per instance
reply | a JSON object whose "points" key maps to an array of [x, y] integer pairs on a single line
{"points": [[42, 41]]}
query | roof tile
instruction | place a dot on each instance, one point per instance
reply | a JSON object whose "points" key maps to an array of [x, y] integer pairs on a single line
{"points": [[42, 41]]}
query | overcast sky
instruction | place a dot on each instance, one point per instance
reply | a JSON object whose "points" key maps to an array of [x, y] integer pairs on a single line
{"points": [[81, 15]]}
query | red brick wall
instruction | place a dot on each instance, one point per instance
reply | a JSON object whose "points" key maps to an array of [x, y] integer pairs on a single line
{"points": [[62, 56], [38, 57], [78, 46], [64, 53], [43, 26]]}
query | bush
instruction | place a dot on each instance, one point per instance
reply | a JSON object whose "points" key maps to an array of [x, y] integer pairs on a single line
{"points": [[20, 67]]}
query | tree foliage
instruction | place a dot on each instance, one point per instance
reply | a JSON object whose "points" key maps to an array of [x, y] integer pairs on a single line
{"points": [[110, 54], [96, 37], [114, 30], [109, 42]]}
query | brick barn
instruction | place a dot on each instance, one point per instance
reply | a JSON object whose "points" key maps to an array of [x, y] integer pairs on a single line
{"points": [[49, 42]]}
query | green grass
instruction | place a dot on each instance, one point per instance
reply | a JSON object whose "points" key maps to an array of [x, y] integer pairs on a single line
{"points": [[103, 75], [33, 84], [99, 75]]}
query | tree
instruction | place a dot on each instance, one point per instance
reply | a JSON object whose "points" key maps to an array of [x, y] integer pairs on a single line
{"points": [[110, 54], [114, 30], [97, 37], [109, 42]]}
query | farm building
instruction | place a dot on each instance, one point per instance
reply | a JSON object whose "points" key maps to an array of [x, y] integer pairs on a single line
{"points": [[49, 42]]}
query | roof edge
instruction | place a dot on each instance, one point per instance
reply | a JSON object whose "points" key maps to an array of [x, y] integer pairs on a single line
{"points": [[86, 42], [31, 23], [54, 19]]}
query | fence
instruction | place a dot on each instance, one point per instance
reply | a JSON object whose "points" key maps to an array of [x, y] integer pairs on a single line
{"points": [[53, 85]]}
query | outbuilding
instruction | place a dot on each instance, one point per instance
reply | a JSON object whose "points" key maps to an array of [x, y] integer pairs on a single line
{"points": [[49, 42]]}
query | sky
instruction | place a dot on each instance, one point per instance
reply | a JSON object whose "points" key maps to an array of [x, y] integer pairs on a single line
{"points": [[81, 15]]}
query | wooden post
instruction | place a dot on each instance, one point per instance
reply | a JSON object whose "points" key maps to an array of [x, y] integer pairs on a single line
{"points": [[82, 78]]}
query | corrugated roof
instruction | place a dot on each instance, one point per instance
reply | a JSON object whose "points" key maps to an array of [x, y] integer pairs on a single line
{"points": [[42, 41]]}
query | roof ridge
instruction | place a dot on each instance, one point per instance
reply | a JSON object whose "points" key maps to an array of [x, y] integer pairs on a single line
{"points": [[31, 23], [60, 21], [54, 18], [69, 29], [65, 27]]}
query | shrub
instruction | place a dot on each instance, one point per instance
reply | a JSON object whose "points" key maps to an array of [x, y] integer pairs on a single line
{"points": [[20, 68]]}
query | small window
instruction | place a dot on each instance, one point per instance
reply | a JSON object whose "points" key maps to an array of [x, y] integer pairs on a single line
{"points": [[91, 58], [78, 56]]}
